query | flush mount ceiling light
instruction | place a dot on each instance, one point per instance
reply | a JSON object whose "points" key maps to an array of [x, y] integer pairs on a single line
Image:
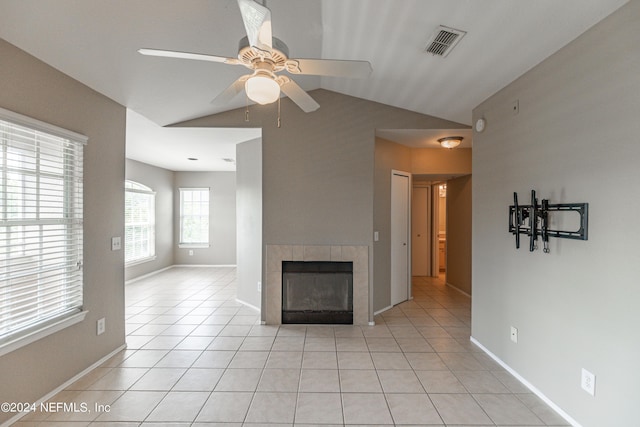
{"points": [[262, 87], [450, 141]]}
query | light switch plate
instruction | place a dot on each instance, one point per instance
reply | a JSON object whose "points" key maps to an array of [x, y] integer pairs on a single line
{"points": [[116, 243]]}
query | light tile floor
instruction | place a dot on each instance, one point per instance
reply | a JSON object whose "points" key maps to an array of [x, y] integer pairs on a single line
{"points": [[196, 357]]}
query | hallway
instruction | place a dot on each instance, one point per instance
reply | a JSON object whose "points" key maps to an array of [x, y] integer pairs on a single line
{"points": [[196, 357]]}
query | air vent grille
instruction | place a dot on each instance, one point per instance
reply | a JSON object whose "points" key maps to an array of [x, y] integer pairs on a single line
{"points": [[444, 40]]}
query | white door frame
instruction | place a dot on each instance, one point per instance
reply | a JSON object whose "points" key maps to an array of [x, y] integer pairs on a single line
{"points": [[405, 238]]}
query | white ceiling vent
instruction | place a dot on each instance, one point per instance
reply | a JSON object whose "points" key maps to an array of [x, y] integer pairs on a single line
{"points": [[444, 39]]}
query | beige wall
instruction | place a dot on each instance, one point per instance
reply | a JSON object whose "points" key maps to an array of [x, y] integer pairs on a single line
{"points": [[575, 139], [459, 233], [32, 88], [435, 161]]}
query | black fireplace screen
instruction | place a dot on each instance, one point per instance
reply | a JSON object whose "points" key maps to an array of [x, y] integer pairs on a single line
{"points": [[317, 292]]}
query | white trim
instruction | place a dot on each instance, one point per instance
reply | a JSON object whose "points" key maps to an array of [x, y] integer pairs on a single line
{"points": [[204, 265], [457, 289], [44, 330], [22, 120], [144, 276], [382, 310], [194, 245], [528, 385], [153, 273], [64, 385], [372, 323], [139, 261], [248, 305]]}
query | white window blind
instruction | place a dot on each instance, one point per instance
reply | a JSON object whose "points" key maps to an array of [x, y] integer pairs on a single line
{"points": [[139, 223], [194, 216], [41, 237]]}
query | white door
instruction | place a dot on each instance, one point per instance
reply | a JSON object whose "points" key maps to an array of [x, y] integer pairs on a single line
{"points": [[399, 237], [420, 232]]}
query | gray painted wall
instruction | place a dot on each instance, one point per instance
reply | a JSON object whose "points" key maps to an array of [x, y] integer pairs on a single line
{"points": [[32, 88], [458, 271], [575, 139], [161, 181], [318, 168], [222, 218], [249, 221]]}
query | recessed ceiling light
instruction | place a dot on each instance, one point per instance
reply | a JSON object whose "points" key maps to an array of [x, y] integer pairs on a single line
{"points": [[191, 158]]}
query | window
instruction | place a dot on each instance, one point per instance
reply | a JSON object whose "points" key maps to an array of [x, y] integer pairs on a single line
{"points": [[139, 223], [194, 217], [41, 284]]}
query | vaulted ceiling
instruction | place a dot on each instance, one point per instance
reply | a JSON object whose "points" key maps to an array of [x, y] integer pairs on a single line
{"points": [[96, 42]]}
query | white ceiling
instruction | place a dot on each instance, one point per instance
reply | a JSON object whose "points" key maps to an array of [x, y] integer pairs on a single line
{"points": [[96, 43]]}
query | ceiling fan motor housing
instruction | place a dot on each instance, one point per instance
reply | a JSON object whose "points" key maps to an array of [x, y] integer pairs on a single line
{"points": [[249, 56]]}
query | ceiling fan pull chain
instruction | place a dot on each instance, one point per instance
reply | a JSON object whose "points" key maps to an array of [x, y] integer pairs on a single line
{"points": [[246, 112], [279, 112]]}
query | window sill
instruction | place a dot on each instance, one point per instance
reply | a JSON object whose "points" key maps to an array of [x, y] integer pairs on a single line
{"points": [[193, 245], [41, 331], [139, 261]]}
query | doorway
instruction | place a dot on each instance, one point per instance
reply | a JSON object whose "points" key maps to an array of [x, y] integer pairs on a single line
{"points": [[400, 237]]}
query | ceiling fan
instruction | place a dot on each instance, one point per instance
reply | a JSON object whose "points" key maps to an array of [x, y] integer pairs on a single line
{"points": [[267, 56]]}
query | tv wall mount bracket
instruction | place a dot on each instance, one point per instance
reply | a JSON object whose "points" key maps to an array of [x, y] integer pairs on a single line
{"points": [[533, 220]]}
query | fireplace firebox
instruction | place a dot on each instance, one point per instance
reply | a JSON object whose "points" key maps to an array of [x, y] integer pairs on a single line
{"points": [[317, 292]]}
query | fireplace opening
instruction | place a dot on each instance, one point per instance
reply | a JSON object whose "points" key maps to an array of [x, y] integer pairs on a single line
{"points": [[317, 292]]}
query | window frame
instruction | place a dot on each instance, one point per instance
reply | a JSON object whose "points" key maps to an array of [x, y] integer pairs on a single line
{"points": [[139, 188], [194, 245], [45, 326]]}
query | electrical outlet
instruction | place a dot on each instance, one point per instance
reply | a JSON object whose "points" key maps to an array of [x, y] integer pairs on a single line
{"points": [[116, 243], [190, 252], [514, 334], [259, 286], [588, 382], [101, 326]]}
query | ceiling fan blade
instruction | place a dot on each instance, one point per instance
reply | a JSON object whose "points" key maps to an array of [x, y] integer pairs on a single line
{"points": [[329, 67], [298, 95], [257, 23], [231, 91], [188, 55]]}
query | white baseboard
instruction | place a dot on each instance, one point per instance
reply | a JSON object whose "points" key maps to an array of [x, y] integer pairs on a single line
{"points": [[382, 310], [66, 384], [248, 305], [144, 276], [204, 265], [457, 289], [528, 385], [153, 273]]}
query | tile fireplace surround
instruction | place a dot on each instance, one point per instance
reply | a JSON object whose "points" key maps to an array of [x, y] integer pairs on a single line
{"points": [[359, 255]]}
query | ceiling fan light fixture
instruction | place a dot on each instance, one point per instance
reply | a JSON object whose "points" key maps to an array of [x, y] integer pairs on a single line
{"points": [[450, 141], [262, 88]]}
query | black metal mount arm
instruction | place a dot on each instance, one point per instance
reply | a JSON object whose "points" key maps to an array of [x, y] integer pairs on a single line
{"points": [[533, 220]]}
